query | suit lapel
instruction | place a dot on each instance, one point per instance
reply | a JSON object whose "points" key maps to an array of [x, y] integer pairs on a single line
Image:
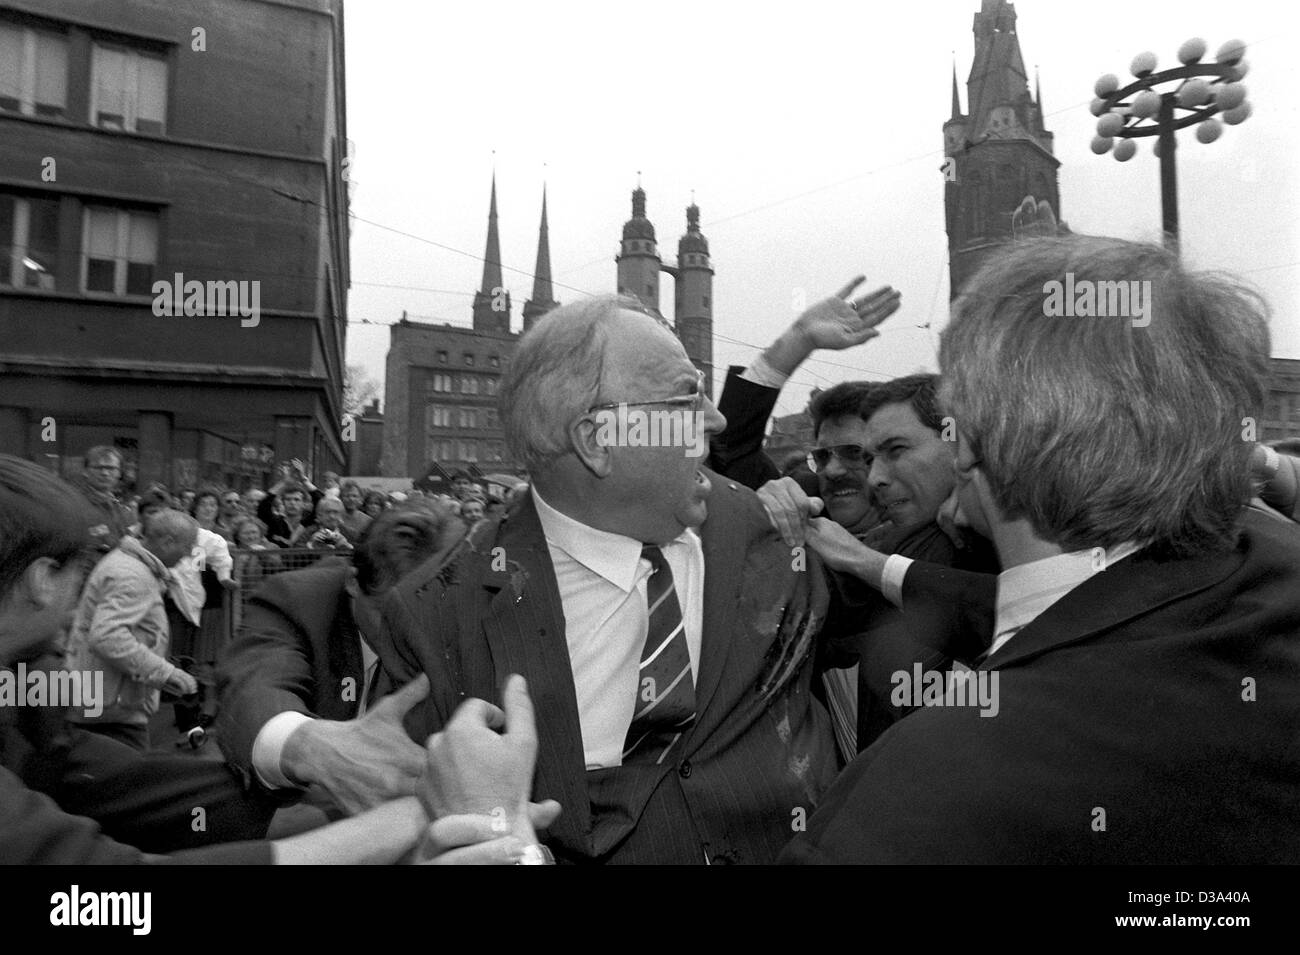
{"points": [[724, 557], [525, 633], [1125, 590]]}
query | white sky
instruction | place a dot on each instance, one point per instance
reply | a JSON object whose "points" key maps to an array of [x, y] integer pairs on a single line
{"points": [[810, 133]]}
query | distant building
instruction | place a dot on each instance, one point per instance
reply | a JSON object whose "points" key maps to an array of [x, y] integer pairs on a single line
{"points": [[141, 142], [996, 154], [639, 266], [365, 450], [441, 381], [1282, 412]]}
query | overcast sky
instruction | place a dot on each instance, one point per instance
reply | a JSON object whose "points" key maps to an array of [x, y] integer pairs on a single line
{"points": [[810, 134]]}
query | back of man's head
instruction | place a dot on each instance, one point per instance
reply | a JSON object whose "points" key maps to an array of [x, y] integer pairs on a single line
{"points": [[40, 516], [169, 535], [1101, 430], [402, 538]]}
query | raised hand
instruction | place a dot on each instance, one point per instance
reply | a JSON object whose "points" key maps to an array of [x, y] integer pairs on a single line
{"points": [[842, 321]]}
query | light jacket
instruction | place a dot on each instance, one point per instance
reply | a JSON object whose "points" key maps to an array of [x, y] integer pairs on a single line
{"points": [[121, 629]]}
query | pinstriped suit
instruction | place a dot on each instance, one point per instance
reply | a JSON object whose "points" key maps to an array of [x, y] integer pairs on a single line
{"points": [[757, 753]]}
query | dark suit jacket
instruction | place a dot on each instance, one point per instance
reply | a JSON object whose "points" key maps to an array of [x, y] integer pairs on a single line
{"points": [[737, 452], [72, 797], [298, 649], [761, 748], [923, 630], [1151, 715]]}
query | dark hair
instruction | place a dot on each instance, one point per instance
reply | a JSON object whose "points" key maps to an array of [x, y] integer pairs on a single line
{"points": [[919, 391], [349, 486], [402, 538], [845, 399], [40, 516], [155, 496], [459, 475], [375, 497], [208, 490], [294, 487]]}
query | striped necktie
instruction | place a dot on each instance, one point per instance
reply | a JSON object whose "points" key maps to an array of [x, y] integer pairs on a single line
{"points": [[665, 694]]}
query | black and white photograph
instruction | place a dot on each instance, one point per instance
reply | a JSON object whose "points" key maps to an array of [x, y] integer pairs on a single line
{"points": [[574, 432]]}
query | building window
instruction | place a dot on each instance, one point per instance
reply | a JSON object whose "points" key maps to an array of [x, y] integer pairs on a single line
{"points": [[119, 251], [29, 241], [33, 71], [706, 301], [442, 357], [128, 90], [467, 418], [495, 361], [491, 385], [493, 451], [440, 383], [650, 291], [448, 450], [469, 450], [490, 419], [438, 416], [468, 385], [469, 358]]}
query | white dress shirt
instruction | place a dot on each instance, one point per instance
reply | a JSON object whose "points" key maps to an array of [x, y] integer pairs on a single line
{"points": [[602, 582]]}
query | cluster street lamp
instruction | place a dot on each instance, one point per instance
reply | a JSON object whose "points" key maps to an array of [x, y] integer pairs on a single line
{"points": [[1203, 91]]}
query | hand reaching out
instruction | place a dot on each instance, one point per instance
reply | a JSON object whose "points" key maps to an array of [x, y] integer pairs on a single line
{"points": [[473, 769]]}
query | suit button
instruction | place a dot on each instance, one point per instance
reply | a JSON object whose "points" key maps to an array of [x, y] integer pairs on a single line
{"points": [[684, 770]]}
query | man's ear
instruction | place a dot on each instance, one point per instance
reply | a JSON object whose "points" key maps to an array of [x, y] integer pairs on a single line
{"points": [[38, 581], [592, 445]]}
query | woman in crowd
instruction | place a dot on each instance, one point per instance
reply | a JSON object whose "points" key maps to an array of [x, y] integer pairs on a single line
{"points": [[374, 504]]}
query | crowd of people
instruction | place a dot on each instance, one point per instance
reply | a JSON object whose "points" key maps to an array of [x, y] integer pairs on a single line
{"points": [[1040, 607]]}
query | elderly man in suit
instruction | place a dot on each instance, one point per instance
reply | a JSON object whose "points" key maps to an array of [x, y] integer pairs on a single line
{"points": [[666, 633], [1145, 652]]}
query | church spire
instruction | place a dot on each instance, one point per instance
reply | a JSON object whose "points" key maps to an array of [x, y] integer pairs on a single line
{"points": [[956, 97], [492, 301], [1038, 91], [543, 288], [492, 255]]}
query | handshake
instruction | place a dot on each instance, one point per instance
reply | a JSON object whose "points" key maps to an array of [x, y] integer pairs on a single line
{"points": [[472, 781]]}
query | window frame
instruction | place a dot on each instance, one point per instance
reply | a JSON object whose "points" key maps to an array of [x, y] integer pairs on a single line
{"points": [[130, 93], [29, 37], [121, 260]]}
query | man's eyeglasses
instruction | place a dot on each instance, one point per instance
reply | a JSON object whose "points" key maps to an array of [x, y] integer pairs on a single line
{"points": [[692, 402], [850, 455]]}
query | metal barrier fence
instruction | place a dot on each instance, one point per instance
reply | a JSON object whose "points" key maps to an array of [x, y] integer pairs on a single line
{"points": [[252, 567]]}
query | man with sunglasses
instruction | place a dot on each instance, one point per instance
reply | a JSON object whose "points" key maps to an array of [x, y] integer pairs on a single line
{"points": [[892, 439]]}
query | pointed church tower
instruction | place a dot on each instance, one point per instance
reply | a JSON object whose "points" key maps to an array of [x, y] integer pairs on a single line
{"points": [[1000, 150], [638, 259], [693, 313], [492, 301], [543, 299]]}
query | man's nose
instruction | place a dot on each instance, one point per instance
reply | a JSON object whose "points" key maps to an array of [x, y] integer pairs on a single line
{"points": [[878, 476], [714, 421]]}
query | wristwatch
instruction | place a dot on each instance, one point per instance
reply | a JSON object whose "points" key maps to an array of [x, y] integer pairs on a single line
{"points": [[536, 854]]}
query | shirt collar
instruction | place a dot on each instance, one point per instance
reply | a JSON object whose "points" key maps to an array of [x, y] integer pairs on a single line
{"points": [[614, 557], [1025, 591]]}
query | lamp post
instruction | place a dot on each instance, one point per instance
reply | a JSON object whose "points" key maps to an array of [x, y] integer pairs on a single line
{"points": [[1141, 109]]}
